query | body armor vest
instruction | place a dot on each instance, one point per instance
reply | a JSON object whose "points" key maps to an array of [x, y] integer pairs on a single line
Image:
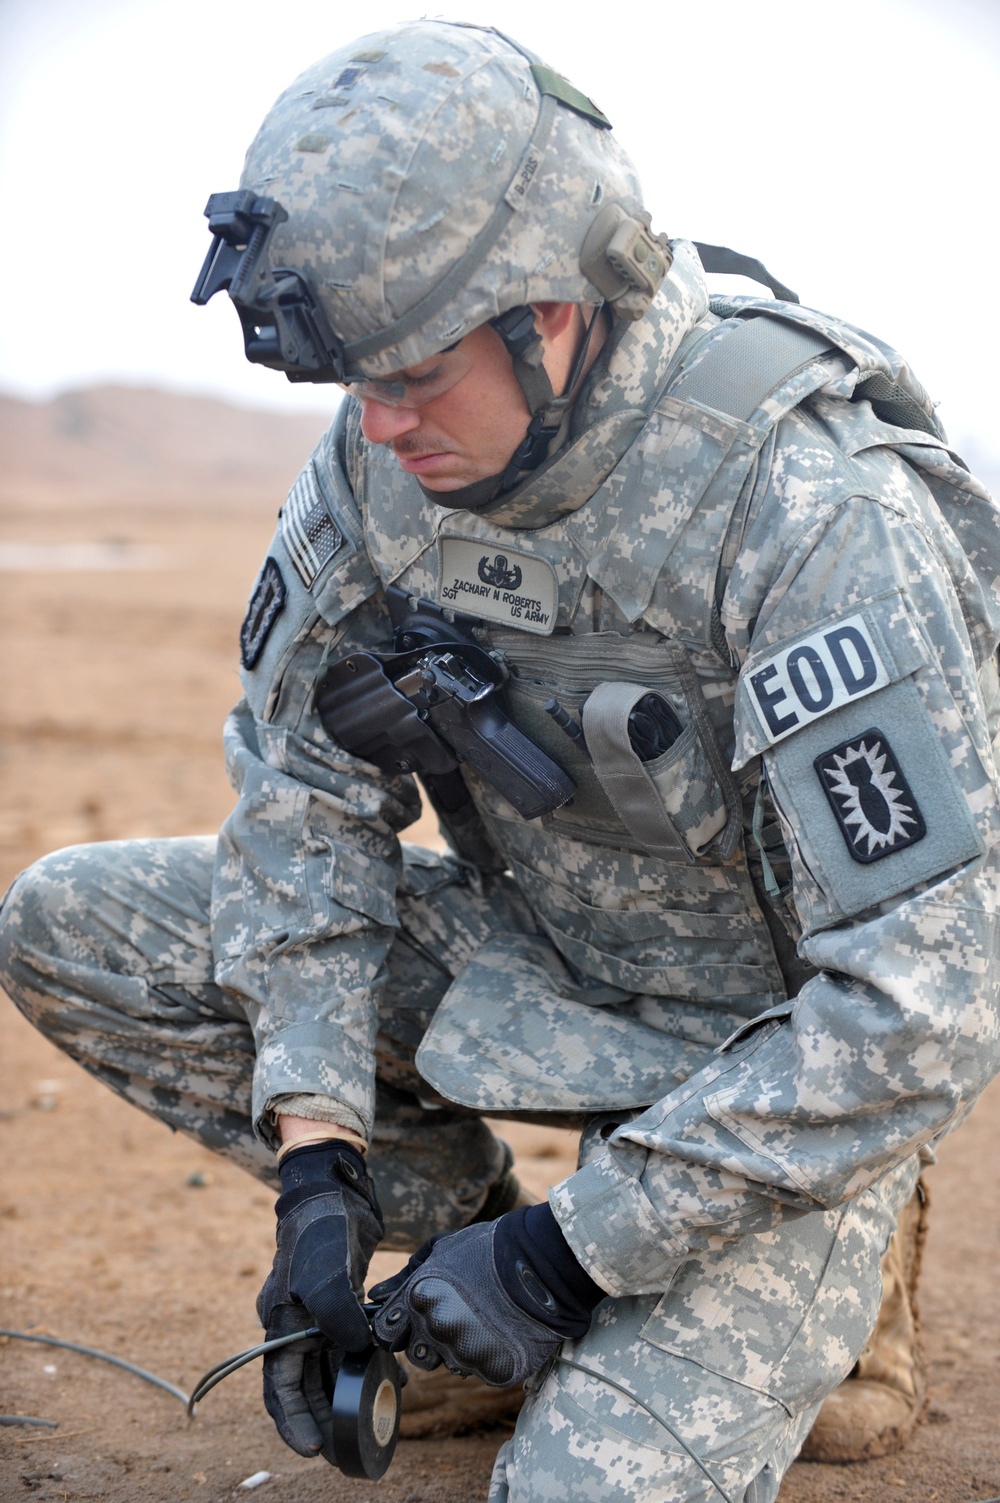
{"points": [[647, 894]]}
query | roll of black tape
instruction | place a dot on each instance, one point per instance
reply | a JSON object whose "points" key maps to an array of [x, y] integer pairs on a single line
{"points": [[366, 1410]]}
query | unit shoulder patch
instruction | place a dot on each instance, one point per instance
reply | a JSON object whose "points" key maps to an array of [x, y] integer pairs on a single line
{"points": [[308, 530], [877, 780], [266, 605], [870, 797]]}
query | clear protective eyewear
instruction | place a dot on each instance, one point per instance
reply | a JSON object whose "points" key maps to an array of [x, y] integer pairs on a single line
{"points": [[416, 386]]}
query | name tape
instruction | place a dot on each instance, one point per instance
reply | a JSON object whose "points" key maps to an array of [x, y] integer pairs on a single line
{"points": [[819, 674], [514, 589]]}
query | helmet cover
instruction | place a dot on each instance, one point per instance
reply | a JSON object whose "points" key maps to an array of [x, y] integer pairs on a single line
{"points": [[432, 180]]}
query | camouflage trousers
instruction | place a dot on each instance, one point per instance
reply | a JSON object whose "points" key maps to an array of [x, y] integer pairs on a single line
{"points": [[107, 950], [705, 1391]]}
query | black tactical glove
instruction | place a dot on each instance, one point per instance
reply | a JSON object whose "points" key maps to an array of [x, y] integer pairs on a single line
{"points": [[495, 1299], [329, 1224]]}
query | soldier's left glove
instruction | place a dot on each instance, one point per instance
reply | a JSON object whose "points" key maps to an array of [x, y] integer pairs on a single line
{"points": [[495, 1299]]}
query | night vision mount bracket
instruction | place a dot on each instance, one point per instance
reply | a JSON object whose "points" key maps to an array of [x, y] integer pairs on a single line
{"points": [[283, 325]]}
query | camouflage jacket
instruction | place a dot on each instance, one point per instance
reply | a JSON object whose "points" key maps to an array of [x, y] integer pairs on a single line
{"points": [[769, 954]]}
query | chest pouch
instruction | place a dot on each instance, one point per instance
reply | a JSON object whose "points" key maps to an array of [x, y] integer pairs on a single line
{"points": [[666, 789]]}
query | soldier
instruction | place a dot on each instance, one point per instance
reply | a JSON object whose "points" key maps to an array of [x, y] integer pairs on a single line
{"points": [[687, 617]]}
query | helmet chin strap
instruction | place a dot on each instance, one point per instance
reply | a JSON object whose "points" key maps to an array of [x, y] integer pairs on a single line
{"points": [[550, 415]]}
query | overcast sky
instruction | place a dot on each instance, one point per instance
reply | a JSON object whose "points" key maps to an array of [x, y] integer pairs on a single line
{"points": [[852, 146]]}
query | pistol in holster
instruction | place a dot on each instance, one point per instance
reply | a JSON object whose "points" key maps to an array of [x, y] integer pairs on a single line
{"points": [[435, 703]]}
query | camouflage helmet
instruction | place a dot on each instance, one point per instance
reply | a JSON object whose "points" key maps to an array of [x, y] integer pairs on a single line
{"points": [[414, 185]]}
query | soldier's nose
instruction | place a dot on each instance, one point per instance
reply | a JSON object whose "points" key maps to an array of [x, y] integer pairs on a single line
{"points": [[381, 424]]}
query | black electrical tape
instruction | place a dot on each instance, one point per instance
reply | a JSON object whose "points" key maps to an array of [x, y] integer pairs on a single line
{"points": [[366, 1410], [365, 1402]]}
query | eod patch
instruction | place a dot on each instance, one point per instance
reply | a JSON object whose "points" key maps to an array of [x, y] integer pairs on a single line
{"points": [[877, 779], [821, 672], [870, 797]]}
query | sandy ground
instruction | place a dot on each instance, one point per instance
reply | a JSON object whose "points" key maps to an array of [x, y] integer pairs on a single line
{"points": [[115, 1234]]}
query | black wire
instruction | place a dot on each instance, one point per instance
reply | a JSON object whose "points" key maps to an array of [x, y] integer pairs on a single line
{"points": [[231, 1364], [91, 1351], [238, 1359]]}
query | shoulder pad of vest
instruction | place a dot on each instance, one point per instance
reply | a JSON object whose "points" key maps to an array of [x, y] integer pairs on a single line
{"points": [[767, 343]]}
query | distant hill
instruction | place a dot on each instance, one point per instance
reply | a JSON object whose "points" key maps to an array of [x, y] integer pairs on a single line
{"points": [[133, 444]]}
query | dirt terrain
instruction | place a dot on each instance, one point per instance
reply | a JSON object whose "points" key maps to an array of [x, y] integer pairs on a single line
{"points": [[121, 592]]}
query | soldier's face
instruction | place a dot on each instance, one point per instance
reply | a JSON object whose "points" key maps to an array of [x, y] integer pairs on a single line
{"points": [[464, 435]]}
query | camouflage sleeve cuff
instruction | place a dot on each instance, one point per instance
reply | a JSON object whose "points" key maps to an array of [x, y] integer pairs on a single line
{"points": [[313, 1109], [319, 1063], [613, 1230]]}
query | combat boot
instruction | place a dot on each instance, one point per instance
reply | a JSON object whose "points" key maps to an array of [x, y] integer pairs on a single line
{"points": [[877, 1408]]}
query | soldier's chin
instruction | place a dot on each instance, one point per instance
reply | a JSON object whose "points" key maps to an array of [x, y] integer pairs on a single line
{"points": [[455, 494]]}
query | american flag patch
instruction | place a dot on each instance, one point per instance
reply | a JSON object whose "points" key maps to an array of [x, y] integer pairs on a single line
{"points": [[307, 528]]}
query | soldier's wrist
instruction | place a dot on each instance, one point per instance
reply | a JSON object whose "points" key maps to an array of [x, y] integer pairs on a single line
{"points": [[297, 1132], [540, 1272]]}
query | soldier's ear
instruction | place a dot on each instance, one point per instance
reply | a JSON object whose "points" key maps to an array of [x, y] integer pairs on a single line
{"points": [[553, 319]]}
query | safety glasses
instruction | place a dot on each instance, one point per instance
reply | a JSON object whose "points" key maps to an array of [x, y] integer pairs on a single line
{"points": [[416, 386]]}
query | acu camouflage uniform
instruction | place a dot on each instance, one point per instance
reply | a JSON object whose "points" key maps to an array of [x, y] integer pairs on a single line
{"points": [[760, 971]]}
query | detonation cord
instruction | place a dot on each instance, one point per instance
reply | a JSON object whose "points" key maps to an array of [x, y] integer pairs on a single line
{"points": [[91, 1351], [202, 1387], [222, 1369], [230, 1365]]}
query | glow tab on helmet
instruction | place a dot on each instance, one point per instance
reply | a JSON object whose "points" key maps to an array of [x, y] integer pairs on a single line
{"points": [[551, 82]]}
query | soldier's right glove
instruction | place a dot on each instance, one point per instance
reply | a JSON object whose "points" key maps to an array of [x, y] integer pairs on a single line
{"points": [[495, 1299], [329, 1224]]}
